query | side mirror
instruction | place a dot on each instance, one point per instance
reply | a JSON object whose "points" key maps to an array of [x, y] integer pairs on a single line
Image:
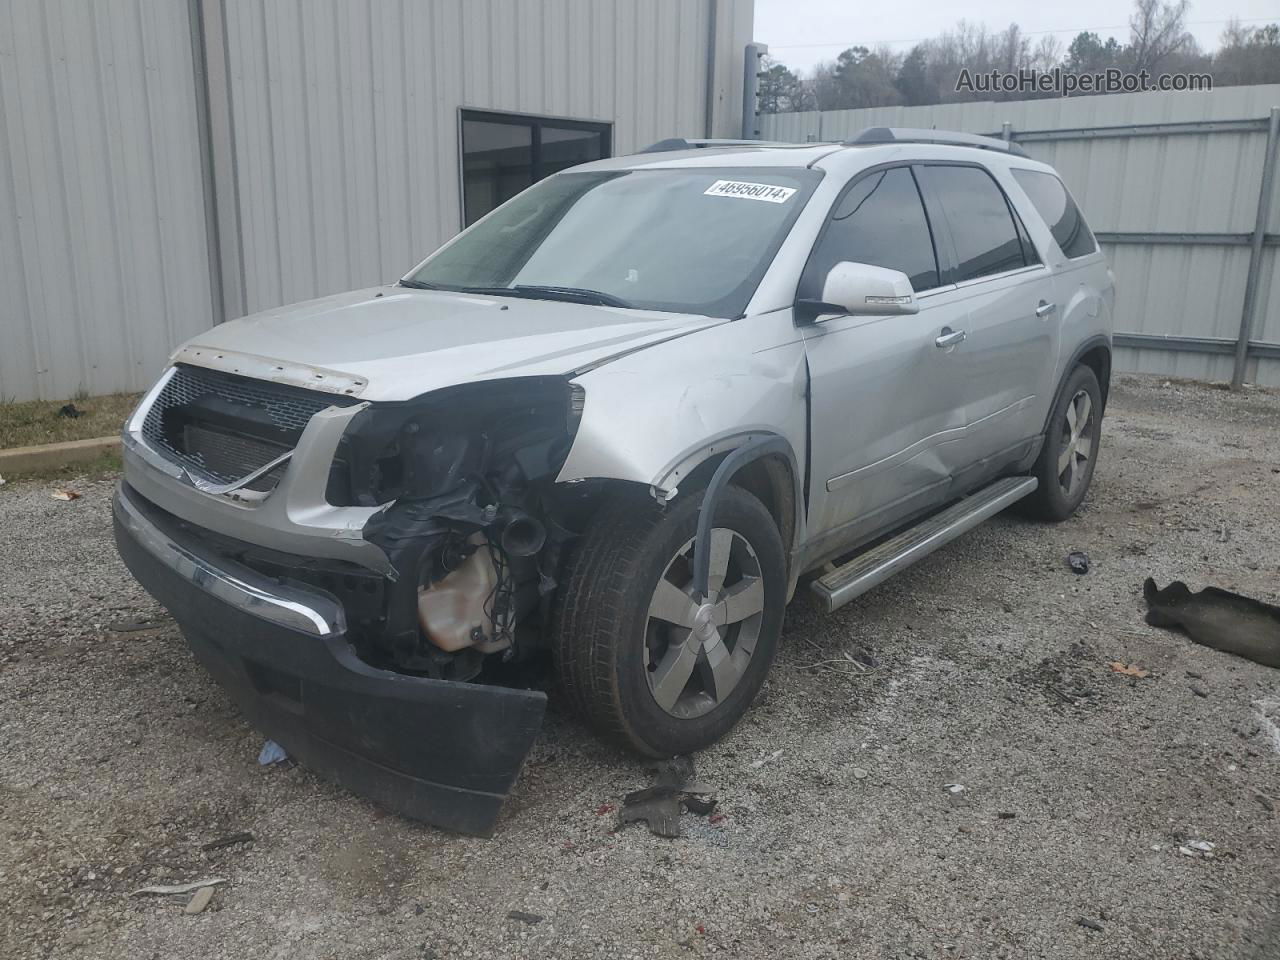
{"points": [[859, 289]]}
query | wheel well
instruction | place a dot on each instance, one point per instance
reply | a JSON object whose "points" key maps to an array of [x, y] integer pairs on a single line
{"points": [[1098, 359], [768, 479]]}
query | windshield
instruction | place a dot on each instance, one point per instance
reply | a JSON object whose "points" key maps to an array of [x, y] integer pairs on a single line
{"points": [[684, 241]]}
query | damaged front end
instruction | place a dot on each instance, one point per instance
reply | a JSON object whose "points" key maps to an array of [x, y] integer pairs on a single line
{"points": [[403, 684], [474, 528]]}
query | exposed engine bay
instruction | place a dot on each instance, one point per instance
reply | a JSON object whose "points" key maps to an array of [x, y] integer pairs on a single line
{"points": [[474, 526]]}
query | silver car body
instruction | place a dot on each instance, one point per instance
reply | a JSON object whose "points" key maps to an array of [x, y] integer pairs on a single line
{"points": [[879, 420]]}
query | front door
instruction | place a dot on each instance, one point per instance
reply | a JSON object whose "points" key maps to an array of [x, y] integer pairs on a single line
{"points": [[882, 392]]}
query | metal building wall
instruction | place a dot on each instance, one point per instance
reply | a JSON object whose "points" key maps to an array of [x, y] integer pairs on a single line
{"points": [[1203, 182], [320, 135], [344, 114], [103, 254]]}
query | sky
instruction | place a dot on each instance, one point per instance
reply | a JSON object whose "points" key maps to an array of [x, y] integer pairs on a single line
{"points": [[801, 33]]}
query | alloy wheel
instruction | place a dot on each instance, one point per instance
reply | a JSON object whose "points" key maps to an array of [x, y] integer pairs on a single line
{"points": [[696, 653], [1078, 436]]}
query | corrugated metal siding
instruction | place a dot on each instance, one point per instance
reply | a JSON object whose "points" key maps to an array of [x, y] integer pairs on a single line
{"points": [[1185, 183], [346, 113], [342, 149], [103, 254]]}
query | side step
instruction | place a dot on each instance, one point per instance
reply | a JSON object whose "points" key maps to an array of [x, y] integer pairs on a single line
{"points": [[881, 562]]}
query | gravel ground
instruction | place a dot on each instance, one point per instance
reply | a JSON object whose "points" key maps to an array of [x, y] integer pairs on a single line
{"points": [[120, 759]]}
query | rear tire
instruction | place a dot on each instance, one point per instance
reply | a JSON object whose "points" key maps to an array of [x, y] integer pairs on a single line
{"points": [[1070, 452], [640, 661]]}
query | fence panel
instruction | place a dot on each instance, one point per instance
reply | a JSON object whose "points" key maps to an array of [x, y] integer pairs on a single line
{"points": [[1201, 178]]}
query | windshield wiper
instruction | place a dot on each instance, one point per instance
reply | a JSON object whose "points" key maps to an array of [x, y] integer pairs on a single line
{"points": [[571, 294], [530, 291]]}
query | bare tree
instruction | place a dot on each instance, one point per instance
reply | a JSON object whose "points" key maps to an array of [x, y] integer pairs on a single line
{"points": [[1158, 31], [1047, 53], [1012, 49], [822, 88], [1248, 54], [1159, 43]]}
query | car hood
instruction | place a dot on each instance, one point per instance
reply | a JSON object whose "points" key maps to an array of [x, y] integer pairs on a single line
{"points": [[393, 343]]}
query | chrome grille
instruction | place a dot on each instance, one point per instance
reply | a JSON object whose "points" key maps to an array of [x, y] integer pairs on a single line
{"points": [[180, 428]]}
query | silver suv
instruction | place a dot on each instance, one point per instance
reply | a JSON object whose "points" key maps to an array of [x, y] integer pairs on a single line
{"points": [[610, 427]]}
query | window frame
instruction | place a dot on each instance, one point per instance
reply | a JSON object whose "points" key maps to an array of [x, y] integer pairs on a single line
{"points": [[534, 122], [1014, 171], [829, 218], [934, 203]]}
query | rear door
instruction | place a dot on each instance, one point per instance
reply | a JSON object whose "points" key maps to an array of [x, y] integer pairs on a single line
{"points": [[1007, 359], [883, 395]]}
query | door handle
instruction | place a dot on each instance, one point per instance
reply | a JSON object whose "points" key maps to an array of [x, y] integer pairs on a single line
{"points": [[950, 338], [1045, 309]]}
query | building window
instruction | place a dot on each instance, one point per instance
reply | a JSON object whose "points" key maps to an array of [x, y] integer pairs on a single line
{"points": [[503, 153]]}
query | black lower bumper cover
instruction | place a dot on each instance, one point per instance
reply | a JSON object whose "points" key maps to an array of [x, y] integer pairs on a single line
{"points": [[433, 750]]}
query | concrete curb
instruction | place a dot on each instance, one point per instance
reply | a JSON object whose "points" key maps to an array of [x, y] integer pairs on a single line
{"points": [[50, 456]]}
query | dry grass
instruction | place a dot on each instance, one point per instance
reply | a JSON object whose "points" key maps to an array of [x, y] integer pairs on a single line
{"points": [[38, 421]]}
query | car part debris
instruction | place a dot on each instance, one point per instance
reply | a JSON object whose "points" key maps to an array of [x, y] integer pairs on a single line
{"points": [[1078, 562], [1090, 924], [757, 764], [271, 753], [65, 495], [199, 901], [228, 841], [1217, 619], [70, 411], [953, 787], [701, 805], [530, 918], [659, 805], [169, 890]]}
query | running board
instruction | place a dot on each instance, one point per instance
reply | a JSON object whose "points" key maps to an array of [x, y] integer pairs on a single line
{"points": [[878, 564]]}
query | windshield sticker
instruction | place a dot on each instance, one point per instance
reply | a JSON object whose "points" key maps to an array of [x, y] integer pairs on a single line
{"points": [[749, 191]]}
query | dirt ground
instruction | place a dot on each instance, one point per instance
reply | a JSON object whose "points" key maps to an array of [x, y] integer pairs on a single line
{"points": [[837, 835]]}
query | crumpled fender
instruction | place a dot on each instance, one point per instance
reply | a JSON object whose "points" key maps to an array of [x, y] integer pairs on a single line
{"points": [[653, 416]]}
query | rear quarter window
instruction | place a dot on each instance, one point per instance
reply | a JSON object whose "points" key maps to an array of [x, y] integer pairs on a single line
{"points": [[1059, 211]]}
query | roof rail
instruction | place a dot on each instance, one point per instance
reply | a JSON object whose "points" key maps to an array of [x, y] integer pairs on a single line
{"points": [[681, 143], [880, 135]]}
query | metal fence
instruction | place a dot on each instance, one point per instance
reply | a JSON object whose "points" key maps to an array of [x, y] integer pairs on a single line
{"points": [[1180, 189]]}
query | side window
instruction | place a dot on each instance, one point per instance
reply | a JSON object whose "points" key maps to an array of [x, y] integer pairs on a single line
{"points": [[1063, 217], [983, 229], [880, 221]]}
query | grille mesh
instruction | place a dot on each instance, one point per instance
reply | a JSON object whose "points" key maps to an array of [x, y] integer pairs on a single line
{"points": [[220, 454]]}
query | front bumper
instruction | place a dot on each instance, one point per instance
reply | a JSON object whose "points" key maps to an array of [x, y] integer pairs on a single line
{"points": [[442, 752]]}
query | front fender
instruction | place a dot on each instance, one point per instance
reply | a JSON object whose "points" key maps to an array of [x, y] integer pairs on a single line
{"points": [[654, 416]]}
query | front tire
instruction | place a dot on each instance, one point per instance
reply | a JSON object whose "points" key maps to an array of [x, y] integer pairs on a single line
{"points": [[636, 657], [1070, 452]]}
